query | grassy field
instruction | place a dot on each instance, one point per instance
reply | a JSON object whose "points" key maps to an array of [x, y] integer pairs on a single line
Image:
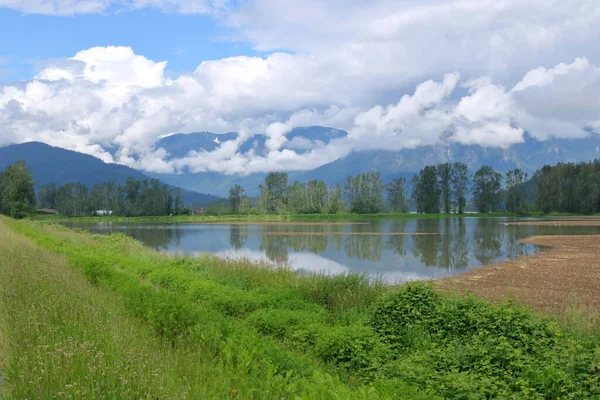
{"points": [[90, 316], [260, 218]]}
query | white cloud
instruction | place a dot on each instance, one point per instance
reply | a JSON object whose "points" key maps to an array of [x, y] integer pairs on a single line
{"points": [[112, 98], [72, 7]]}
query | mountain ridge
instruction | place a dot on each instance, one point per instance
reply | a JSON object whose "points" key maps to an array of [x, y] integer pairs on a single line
{"points": [[54, 164]]}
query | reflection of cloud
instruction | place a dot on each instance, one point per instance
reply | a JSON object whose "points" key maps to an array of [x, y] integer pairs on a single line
{"points": [[307, 262], [403, 276]]}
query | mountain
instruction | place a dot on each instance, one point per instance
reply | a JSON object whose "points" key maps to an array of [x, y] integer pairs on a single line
{"points": [[53, 164], [530, 155]]}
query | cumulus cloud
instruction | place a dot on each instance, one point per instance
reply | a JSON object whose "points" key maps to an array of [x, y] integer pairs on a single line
{"points": [[111, 98]]}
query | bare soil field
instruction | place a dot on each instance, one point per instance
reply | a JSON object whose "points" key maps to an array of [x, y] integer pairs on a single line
{"points": [[573, 222], [565, 275]]}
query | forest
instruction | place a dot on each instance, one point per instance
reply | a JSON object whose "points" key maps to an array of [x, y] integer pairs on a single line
{"points": [[443, 188]]}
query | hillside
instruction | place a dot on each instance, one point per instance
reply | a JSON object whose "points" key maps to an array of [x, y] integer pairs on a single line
{"points": [[530, 155], [52, 164]]}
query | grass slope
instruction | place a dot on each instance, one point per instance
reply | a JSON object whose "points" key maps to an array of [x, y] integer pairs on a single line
{"points": [[211, 328]]}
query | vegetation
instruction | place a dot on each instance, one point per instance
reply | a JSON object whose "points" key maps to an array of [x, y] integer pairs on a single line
{"points": [[486, 189], [135, 198], [147, 325], [568, 188], [17, 197]]}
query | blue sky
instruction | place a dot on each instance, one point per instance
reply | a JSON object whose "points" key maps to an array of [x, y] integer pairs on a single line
{"points": [[99, 75], [30, 40]]}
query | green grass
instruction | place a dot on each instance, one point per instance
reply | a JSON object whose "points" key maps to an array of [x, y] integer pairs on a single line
{"points": [[262, 217], [171, 327]]}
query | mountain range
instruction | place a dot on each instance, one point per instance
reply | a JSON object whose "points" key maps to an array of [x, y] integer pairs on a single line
{"points": [[52, 164], [529, 155]]}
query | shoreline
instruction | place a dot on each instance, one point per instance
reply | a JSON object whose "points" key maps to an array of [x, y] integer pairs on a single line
{"points": [[565, 274]]}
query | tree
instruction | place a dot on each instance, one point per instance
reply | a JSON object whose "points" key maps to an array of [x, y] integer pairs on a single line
{"points": [[364, 193], [460, 185], [47, 196], [16, 191], [486, 189], [336, 201], [426, 191], [178, 204], [273, 192], [444, 173], [516, 200], [236, 195], [396, 195]]}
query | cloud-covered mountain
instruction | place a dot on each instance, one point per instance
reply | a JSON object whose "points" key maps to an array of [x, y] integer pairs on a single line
{"points": [[530, 155], [52, 164]]}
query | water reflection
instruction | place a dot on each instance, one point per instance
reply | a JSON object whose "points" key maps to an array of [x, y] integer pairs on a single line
{"points": [[454, 245]]}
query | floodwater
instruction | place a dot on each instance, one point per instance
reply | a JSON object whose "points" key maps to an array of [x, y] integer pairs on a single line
{"points": [[396, 250]]}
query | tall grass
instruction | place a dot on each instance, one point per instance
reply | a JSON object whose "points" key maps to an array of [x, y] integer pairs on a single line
{"points": [[213, 328]]}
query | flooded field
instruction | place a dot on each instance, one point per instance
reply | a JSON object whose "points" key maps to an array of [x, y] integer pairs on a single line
{"points": [[397, 250]]}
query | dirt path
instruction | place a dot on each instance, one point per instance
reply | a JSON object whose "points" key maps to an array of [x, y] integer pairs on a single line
{"points": [[567, 274]]}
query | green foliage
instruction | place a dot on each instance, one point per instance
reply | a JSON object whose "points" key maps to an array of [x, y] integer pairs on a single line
{"points": [[237, 194], [516, 197], [486, 189], [460, 184], [568, 188], [396, 195], [467, 348], [17, 197], [135, 198], [426, 190], [364, 193], [264, 330]]}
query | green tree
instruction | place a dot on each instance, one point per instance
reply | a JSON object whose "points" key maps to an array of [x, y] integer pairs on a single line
{"points": [[47, 196], [396, 195], [17, 195], [486, 189], [426, 191], [460, 185], [364, 193], [516, 198], [236, 195], [444, 173], [273, 192], [336, 200]]}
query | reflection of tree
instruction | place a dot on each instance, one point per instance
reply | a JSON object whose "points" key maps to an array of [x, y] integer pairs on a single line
{"points": [[488, 244], [364, 247], [275, 247], [460, 246], [158, 239], [238, 235], [397, 243]]}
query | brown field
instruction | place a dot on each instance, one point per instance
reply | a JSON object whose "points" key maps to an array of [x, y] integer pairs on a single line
{"points": [[564, 276], [339, 233], [573, 222]]}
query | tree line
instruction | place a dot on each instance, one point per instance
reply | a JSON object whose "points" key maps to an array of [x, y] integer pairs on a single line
{"points": [[135, 198], [436, 188]]}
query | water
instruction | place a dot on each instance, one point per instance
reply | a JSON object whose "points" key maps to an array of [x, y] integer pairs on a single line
{"points": [[453, 246]]}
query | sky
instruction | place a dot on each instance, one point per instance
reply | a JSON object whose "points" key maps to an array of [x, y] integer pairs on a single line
{"points": [[111, 77]]}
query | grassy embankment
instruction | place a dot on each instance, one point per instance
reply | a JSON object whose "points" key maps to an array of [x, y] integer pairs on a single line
{"points": [[260, 217], [88, 316]]}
